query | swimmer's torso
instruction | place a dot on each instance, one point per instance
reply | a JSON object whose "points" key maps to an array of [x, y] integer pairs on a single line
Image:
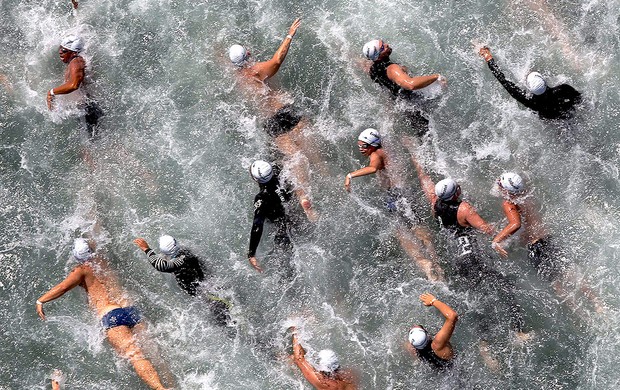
{"points": [[99, 296]]}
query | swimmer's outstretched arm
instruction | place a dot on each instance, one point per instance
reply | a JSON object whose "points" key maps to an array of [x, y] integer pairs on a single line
{"points": [[425, 181], [75, 4], [255, 235], [516, 92], [72, 280], [267, 69], [300, 361], [160, 263]]}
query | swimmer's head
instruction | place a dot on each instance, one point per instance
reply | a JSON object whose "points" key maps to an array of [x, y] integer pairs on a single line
{"points": [[72, 43], [447, 189], [328, 361], [536, 83], [168, 245], [373, 49], [81, 250], [511, 182], [370, 137], [238, 55], [261, 171], [418, 337]]}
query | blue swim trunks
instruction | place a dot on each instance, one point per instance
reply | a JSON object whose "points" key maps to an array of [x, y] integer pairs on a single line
{"points": [[123, 316]]}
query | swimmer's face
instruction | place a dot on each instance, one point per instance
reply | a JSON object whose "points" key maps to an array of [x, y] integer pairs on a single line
{"points": [[386, 50], [65, 54], [365, 149]]}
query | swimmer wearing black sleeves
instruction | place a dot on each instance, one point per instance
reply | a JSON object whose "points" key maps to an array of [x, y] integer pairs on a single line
{"points": [[557, 102]]}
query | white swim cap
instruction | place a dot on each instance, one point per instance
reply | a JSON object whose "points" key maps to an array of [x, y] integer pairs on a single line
{"points": [[446, 188], [418, 337], [511, 182], [536, 83], [372, 49], [238, 54], [328, 361], [261, 171], [73, 43], [168, 245], [371, 137], [81, 250]]}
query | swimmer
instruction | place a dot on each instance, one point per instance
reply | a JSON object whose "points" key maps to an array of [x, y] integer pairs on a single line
{"points": [[370, 144], [328, 375], [286, 123], [543, 253], [434, 350], [268, 204], [188, 270], [75, 4], [107, 299], [398, 82], [549, 102], [69, 52], [460, 218]]}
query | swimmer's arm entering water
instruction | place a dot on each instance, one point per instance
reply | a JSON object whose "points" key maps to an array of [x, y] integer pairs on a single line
{"points": [[160, 263], [514, 223], [518, 93], [300, 361], [71, 281], [375, 164], [267, 69], [398, 74]]}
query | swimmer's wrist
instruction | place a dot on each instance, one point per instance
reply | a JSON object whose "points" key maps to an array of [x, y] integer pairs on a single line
{"points": [[39, 302], [52, 92], [433, 301], [349, 176], [289, 36]]}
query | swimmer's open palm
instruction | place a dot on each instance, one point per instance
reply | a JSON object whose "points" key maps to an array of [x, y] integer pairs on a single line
{"points": [[293, 29]]}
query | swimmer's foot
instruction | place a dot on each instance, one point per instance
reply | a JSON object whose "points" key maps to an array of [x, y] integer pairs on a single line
{"points": [[308, 209], [489, 360]]}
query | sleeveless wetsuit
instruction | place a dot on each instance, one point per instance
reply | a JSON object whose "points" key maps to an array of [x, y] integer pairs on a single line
{"points": [[555, 103], [470, 267], [414, 117], [429, 356], [268, 204], [283, 121]]}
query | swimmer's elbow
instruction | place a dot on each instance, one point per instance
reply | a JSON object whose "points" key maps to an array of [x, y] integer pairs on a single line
{"points": [[452, 316]]}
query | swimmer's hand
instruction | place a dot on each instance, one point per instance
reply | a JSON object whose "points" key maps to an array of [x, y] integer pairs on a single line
{"points": [[254, 262], [498, 248], [293, 29], [50, 100], [141, 243], [443, 82], [75, 4], [428, 299], [40, 311], [485, 52], [347, 183]]}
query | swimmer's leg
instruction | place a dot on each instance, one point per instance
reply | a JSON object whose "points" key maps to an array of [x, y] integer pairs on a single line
{"points": [[300, 170], [124, 342], [487, 357], [423, 234], [414, 249]]}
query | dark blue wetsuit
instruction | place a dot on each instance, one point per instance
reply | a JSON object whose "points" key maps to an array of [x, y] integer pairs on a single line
{"points": [[414, 117], [429, 356], [269, 205], [471, 269], [555, 103]]}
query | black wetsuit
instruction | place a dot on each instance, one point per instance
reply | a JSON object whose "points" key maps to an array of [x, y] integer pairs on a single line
{"points": [[269, 204], [429, 356], [414, 117], [185, 266], [547, 258], [555, 103], [283, 121], [471, 269]]}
